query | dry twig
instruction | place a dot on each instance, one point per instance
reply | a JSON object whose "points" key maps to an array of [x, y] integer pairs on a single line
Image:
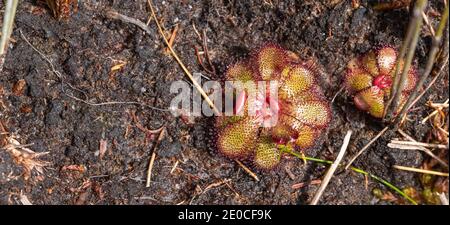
{"points": [[174, 167], [337, 93], [8, 24], [186, 71], [438, 74], [426, 150], [408, 48], [366, 147], [205, 48], [427, 22], [216, 184], [417, 170], [429, 66], [333, 168], [303, 184], [60, 76], [26, 157], [416, 145], [200, 61], [115, 15], [116, 103], [152, 159]]}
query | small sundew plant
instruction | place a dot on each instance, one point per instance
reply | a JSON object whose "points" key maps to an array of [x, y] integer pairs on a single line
{"points": [[301, 109], [369, 79]]}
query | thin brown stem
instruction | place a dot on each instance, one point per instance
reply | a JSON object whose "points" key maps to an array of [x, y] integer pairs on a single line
{"points": [[333, 168], [417, 170]]}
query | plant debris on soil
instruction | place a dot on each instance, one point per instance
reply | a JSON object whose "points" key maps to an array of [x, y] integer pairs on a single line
{"points": [[80, 120]]}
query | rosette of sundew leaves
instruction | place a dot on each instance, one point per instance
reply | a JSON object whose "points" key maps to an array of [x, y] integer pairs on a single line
{"points": [[369, 79], [300, 107]]}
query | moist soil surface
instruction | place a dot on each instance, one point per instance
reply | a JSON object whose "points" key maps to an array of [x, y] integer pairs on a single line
{"points": [[94, 59]]}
